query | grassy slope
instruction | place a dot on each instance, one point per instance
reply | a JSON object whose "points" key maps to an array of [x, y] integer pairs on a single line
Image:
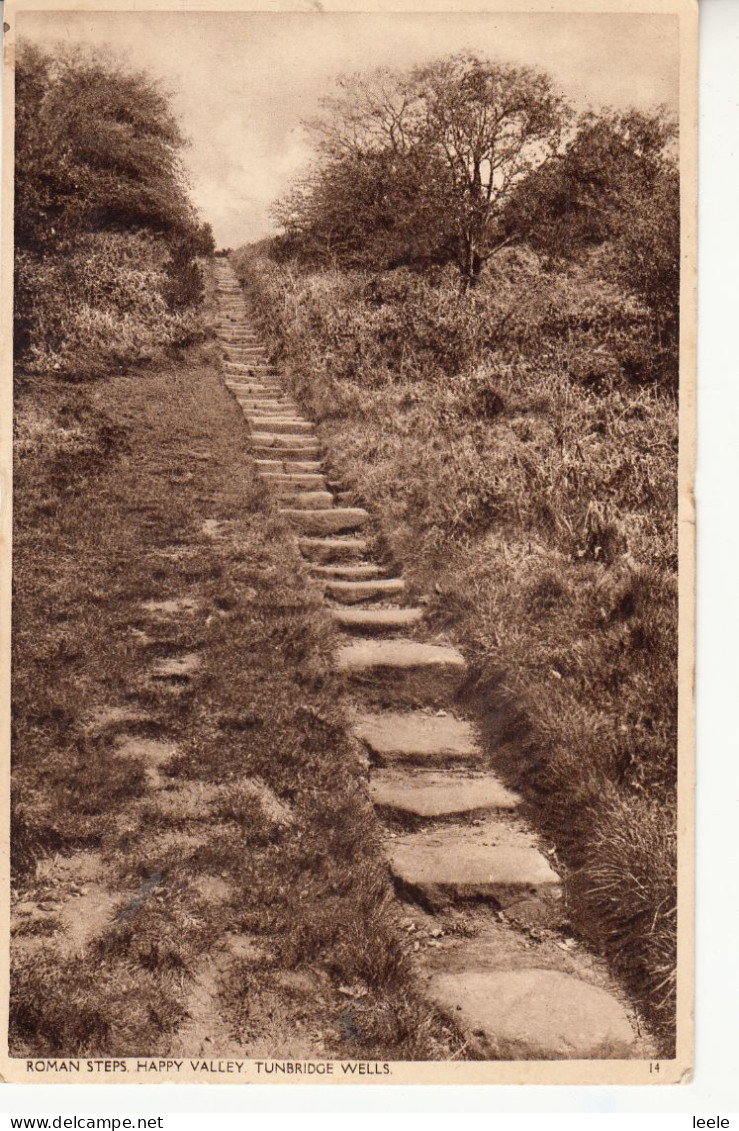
{"points": [[262, 831], [534, 497]]}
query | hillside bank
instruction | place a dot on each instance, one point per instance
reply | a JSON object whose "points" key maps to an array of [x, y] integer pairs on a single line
{"points": [[525, 475]]}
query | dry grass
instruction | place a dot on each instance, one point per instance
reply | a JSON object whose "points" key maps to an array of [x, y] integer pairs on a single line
{"points": [[137, 490], [528, 484]]}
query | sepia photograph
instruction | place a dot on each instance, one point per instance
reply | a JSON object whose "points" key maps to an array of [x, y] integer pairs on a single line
{"points": [[351, 368]]}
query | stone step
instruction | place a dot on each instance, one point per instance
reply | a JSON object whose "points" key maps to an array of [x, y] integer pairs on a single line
{"points": [[287, 426], [298, 480], [326, 521], [276, 410], [355, 592], [403, 671], [254, 393], [349, 572], [257, 388], [258, 417], [255, 380], [307, 500], [287, 466], [246, 370], [237, 364], [310, 452], [242, 365], [332, 549], [283, 440], [411, 736], [376, 622], [252, 381], [534, 1014], [433, 793], [275, 406], [494, 861]]}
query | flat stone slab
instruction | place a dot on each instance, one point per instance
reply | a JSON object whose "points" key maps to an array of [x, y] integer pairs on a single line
{"points": [[246, 373], [535, 1015], [498, 861], [298, 480], [428, 793], [376, 621], [349, 572], [282, 440], [306, 452], [332, 521], [332, 549], [243, 365], [255, 388], [354, 592], [404, 671], [287, 466], [176, 667], [172, 607], [398, 654], [261, 410], [286, 425], [412, 736], [256, 383], [253, 392], [306, 500]]}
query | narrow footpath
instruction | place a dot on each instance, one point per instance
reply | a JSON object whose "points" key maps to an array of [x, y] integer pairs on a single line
{"points": [[480, 893]]}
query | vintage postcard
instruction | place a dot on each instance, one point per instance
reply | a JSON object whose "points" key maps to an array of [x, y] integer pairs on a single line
{"points": [[348, 673]]}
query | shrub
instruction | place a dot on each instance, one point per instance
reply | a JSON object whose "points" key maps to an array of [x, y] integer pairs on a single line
{"points": [[106, 237], [102, 305]]}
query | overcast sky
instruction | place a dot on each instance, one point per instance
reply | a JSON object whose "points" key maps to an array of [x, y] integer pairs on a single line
{"points": [[242, 82]]}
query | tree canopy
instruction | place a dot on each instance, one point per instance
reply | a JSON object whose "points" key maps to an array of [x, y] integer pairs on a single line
{"points": [[427, 159], [97, 148], [98, 173], [616, 186]]}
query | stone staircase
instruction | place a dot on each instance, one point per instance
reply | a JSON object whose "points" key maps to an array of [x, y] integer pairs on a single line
{"points": [[482, 901]]}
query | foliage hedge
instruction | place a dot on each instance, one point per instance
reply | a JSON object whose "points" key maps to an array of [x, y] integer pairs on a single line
{"points": [[106, 239]]}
